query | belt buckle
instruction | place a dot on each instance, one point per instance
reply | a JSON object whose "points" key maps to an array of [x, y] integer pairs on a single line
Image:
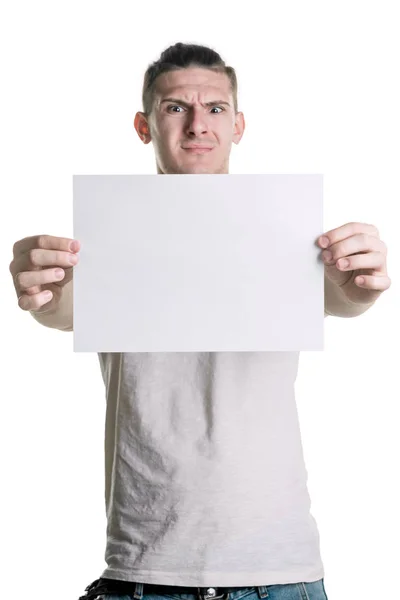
{"points": [[210, 594]]}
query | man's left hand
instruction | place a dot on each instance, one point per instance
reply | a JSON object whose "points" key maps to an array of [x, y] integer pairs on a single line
{"points": [[360, 245]]}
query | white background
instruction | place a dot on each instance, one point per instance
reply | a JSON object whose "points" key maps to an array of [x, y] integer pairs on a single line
{"points": [[318, 84]]}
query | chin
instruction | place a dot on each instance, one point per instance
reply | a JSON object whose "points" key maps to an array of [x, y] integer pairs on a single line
{"points": [[192, 169], [200, 169]]}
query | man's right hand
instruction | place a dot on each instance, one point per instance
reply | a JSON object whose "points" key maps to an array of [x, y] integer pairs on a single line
{"points": [[31, 276]]}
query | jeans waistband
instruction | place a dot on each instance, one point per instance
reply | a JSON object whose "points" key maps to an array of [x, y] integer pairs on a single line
{"points": [[136, 590]]}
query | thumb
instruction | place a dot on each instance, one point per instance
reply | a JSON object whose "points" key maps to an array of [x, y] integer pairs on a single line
{"points": [[336, 275]]}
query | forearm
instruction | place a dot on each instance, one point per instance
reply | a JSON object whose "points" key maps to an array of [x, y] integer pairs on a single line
{"points": [[337, 305], [62, 316]]}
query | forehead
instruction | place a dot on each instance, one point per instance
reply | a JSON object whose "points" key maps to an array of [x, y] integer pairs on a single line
{"points": [[191, 82]]}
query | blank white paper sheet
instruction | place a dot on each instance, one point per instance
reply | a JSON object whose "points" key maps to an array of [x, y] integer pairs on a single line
{"points": [[198, 263]]}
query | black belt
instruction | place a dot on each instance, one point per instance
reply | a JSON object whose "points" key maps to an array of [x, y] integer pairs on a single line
{"points": [[211, 591], [114, 586]]}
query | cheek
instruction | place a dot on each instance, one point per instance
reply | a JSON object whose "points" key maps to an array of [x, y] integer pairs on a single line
{"points": [[223, 140], [224, 133], [168, 135]]}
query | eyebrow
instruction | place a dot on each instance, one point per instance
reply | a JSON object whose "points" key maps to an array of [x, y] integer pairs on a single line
{"points": [[181, 102]]}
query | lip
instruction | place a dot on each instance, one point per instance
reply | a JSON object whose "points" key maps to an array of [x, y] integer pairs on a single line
{"points": [[197, 149]]}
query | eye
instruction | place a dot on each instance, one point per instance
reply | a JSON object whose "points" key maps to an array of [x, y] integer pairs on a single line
{"points": [[174, 106], [177, 106]]}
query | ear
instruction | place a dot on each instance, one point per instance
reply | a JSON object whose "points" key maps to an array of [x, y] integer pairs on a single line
{"points": [[142, 127], [239, 127]]}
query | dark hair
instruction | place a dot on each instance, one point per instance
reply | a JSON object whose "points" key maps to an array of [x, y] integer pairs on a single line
{"points": [[181, 56]]}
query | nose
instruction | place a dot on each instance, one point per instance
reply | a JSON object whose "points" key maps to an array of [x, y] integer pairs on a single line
{"points": [[197, 123]]}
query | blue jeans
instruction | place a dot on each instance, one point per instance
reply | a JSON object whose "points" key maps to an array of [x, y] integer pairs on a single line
{"points": [[289, 591]]}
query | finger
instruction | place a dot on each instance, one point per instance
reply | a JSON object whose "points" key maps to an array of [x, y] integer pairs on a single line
{"points": [[372, 282], [347, 230], [34, 302], [36, 258], [45, 242], [370, 260], [357, 243], [29, 279]]}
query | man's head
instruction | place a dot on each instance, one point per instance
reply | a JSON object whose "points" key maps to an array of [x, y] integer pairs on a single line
{"points": [[179, 92]]}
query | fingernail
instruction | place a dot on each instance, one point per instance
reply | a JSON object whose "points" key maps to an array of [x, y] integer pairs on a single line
{"points": [[73, 259], [327, 256], [324, 241], [74, 246]]}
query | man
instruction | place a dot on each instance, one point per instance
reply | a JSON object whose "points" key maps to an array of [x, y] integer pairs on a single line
{"points": [[206, 487]]}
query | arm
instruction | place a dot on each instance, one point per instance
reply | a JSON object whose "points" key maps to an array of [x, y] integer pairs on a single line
{"points": [[62, 316]]}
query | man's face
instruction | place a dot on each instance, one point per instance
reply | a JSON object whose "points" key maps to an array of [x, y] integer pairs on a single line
{"points": [[181, 119]]}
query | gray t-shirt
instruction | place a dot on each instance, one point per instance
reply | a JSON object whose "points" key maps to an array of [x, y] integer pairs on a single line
{"points": [[205, 482]]}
